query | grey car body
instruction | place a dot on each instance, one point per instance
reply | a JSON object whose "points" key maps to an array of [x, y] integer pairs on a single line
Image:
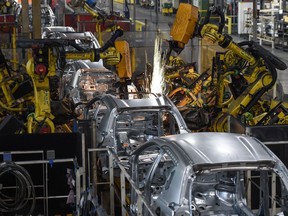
{"points": [[125, 124], [208, 174], [86, 40], [82, 80], [49, 31], [48, 17]]}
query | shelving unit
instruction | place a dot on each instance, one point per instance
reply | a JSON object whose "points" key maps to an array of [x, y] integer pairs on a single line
{"points": [[268, 24], [248, 23], [267, 19], [283, 34]]}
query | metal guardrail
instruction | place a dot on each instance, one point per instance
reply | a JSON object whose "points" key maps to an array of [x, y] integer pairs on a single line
{"points": [[114, 162], [124, 175], [94, 183], [44, 185], [228, 24]]}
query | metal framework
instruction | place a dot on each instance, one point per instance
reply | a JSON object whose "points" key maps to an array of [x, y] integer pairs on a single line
{"points": [[45, 196], [142, 204]]}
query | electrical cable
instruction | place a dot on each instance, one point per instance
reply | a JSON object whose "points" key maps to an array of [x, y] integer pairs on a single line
{"points": [[24, 189]]}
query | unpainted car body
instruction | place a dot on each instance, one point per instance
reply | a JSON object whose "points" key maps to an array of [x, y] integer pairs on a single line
{"points": [[86, 40], [125, 124], [49, 31], [48, 17], [83, 40], [82, 80], [208, 174]]}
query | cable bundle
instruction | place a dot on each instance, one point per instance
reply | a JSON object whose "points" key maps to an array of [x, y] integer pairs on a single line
{"points": [[24, 189]]}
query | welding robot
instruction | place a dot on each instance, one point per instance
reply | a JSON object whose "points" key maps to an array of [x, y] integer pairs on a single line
{"points": [[90, 7], [257, 66], [47, 56], [8, 6], [123, 69]]}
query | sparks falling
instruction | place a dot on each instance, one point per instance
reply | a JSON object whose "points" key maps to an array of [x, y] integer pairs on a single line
{"points": [[157, 81]]}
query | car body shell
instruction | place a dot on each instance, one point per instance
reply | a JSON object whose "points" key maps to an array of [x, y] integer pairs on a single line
{"points": [[205, 169], [85, 41], [48, 17], [48, 31], [124, 124], [82, 80]]}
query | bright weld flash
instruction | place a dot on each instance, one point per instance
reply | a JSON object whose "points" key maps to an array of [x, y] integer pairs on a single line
{"points": [[157, 81]]}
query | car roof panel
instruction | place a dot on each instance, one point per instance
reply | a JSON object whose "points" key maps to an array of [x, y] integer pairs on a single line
{"points": [[221, 148], [157, 102]]}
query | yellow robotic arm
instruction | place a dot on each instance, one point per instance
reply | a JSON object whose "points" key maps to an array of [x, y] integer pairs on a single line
{"points": [[108, 52], [42, 66], [214, 34], [89, 6], [183, 28], [257, 65]]}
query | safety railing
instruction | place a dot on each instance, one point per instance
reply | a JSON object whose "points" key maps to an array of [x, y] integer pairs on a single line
{"points": [[124, 176], [115, 166], [228, 24], [18, 157], [93, 176]]}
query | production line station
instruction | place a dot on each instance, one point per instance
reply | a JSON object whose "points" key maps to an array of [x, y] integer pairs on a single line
{"points": [[143, 107]]}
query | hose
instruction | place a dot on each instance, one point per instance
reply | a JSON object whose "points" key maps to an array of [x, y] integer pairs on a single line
{"points": [[271, 62], [24, 189]]}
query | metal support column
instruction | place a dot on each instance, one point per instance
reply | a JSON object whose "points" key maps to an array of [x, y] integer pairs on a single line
{"points": [[94, 158], [156, 11], [264, 196], [36, 13], [84, 160], [273, 194], [79, 187], [112, 188], [25, 19], [255, 20], [123, 193], [134, 15], [248, 180], [14, 35]]}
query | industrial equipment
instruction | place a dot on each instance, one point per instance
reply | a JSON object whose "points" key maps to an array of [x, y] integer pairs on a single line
{"points": [[147, 3], [95, 19], [48, 17], [50, 30], [85, 40], [204, 174], [25, 195], [125, 124], [16, 94], [239, 77], [48, 54], [105, 22], [9, 7], [167, 9], [82, 80]]}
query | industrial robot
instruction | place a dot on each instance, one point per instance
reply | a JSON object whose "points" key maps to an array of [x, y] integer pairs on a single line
{"points": [[123, 69], [250, 69], [9, 7], [31, 94]]}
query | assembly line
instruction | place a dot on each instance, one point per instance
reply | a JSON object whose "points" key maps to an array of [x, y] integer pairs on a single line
{"points": [[92, 124]]}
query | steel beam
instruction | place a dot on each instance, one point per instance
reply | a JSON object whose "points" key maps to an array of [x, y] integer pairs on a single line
{"points": [[36, 19]]}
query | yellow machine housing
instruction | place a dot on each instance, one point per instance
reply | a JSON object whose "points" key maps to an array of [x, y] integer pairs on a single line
{"points": [[167, 11], [124, 66], [185, 23]]}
